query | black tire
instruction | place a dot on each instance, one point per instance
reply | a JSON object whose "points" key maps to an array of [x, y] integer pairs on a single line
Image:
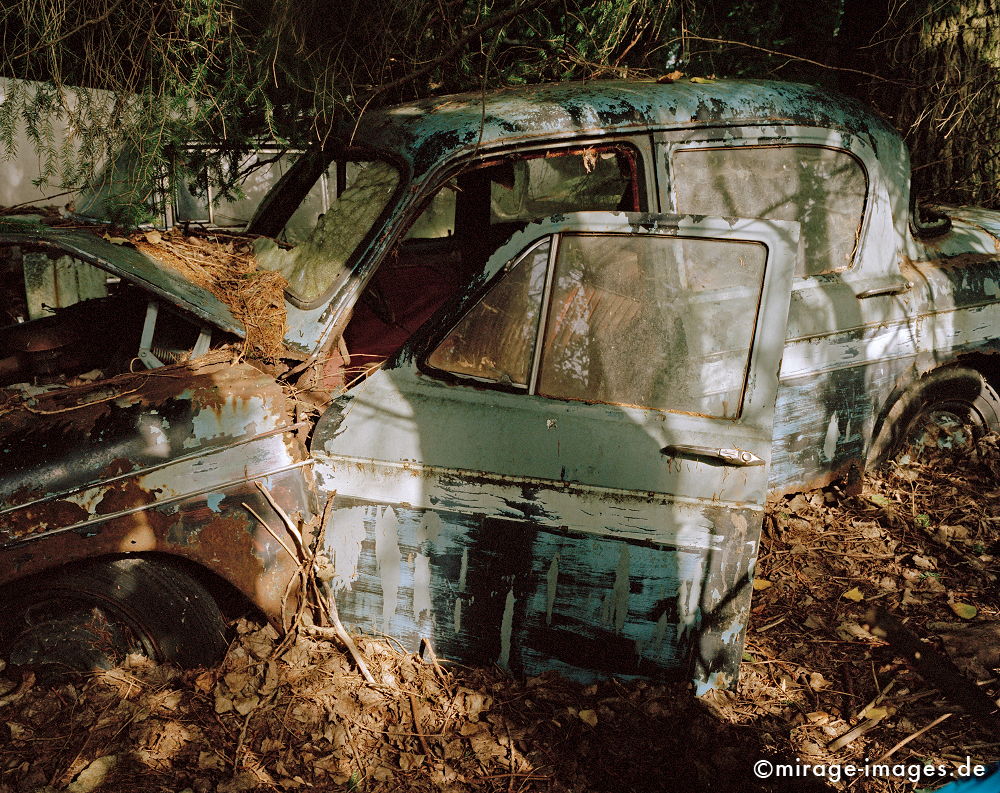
{"points": [[91, 615], [932, 414]]}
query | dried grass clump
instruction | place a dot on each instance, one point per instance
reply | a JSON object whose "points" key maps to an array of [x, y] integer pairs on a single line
{"points": [[225, 265]]}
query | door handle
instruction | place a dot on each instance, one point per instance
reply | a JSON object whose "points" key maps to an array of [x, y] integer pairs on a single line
{"points": [[738, 457], [890, 289]]}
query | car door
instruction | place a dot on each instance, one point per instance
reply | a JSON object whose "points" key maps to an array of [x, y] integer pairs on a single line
{"points": [[567, 468]]}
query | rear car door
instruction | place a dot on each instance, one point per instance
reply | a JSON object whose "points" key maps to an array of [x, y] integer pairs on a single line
{"points": [[567, 468]]}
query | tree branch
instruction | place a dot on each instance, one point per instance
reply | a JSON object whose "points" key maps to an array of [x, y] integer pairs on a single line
{"points": [[691, 37], [95, 21], [459, 45]]}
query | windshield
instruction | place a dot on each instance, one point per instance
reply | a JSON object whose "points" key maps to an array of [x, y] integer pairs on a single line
{"points": [[352, 196]]}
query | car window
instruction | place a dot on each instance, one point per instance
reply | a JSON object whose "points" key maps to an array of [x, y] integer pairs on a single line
{"points": [[196, 199], [495, 340], [506, 192], [823, 189], [651, 321], [536, 187], [319, 261]]}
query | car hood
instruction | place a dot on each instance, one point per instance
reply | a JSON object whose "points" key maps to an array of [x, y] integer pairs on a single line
{"points": [[139, 269]]}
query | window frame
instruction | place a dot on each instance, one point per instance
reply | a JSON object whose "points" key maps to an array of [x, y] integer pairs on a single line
{"points": [[639, 148], [448, 322], [669, 141], [279, 205]]}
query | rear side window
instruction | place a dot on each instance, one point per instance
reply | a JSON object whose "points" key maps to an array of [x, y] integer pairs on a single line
{"points": [[823, 189]]}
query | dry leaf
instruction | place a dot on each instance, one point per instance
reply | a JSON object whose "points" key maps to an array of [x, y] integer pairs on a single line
{"points": [[153, 237], [854, 594], [876, 713], [93, 775], [210, 760], [408, 761], [814, 622], [761, 583], [588, 717], [964, 610]]}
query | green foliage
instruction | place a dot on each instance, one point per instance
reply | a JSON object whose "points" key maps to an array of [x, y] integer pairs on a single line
{"points": [[150, 78]]}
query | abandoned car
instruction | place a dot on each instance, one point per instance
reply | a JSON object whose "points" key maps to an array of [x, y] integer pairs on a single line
{"points": [[547, 352]]}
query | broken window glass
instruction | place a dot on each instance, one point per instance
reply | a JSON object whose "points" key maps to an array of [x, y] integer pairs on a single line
{"points": [[651, 321], [315, 266], [537, 187]]}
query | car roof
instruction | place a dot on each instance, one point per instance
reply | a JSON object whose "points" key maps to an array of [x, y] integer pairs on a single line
{"points": [[430, 131]]}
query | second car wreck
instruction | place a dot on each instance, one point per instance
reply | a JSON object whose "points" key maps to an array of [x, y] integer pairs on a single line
{"points": [[563, 342]]}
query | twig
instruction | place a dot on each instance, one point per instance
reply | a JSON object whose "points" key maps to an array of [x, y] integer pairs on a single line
{"points": [[82, 405], [795, 58], [451, 52], [913, 736], [270, 531], [289, 523], [852, 734], [338, 632], [86, 23], [860, 729], [935, 668], [419, 728]]}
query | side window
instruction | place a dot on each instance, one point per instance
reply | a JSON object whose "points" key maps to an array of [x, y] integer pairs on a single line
{"points": [[651, 321], [823, 189], [536, 187], [507, 192], [495, 340]]}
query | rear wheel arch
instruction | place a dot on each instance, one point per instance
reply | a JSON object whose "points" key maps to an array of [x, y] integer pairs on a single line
{"points": [[960, 389]]}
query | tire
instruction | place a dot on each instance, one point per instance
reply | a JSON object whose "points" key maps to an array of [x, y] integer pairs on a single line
{"points": [[90, 616], [934, 414]]}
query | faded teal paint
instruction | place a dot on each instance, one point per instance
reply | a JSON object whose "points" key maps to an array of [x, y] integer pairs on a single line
{"points": [[431, 132]]}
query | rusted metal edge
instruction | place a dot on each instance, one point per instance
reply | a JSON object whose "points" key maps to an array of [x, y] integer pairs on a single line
{"points": [[155, 505], [149, 469], [138, 268]]}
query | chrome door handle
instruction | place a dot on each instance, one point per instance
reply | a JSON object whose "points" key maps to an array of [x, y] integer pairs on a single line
{"points": [[891, 289], [725, 456]]}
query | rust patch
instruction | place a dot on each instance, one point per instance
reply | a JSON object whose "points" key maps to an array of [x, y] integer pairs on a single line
{"points": [[117, 468], [28, 521], [124, 495]]}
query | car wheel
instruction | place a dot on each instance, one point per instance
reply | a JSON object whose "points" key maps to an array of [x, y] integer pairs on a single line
{"points": [[952, 409], [92, 615]]}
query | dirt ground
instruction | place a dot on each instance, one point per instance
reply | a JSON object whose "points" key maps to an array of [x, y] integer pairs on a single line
{"points": [[291, 713]]}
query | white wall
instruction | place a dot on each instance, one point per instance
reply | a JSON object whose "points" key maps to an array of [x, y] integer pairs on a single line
{"points": [[17, 172]]}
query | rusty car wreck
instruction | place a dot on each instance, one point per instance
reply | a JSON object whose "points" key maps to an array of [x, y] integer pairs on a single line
{"points": [[557, 345]]}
